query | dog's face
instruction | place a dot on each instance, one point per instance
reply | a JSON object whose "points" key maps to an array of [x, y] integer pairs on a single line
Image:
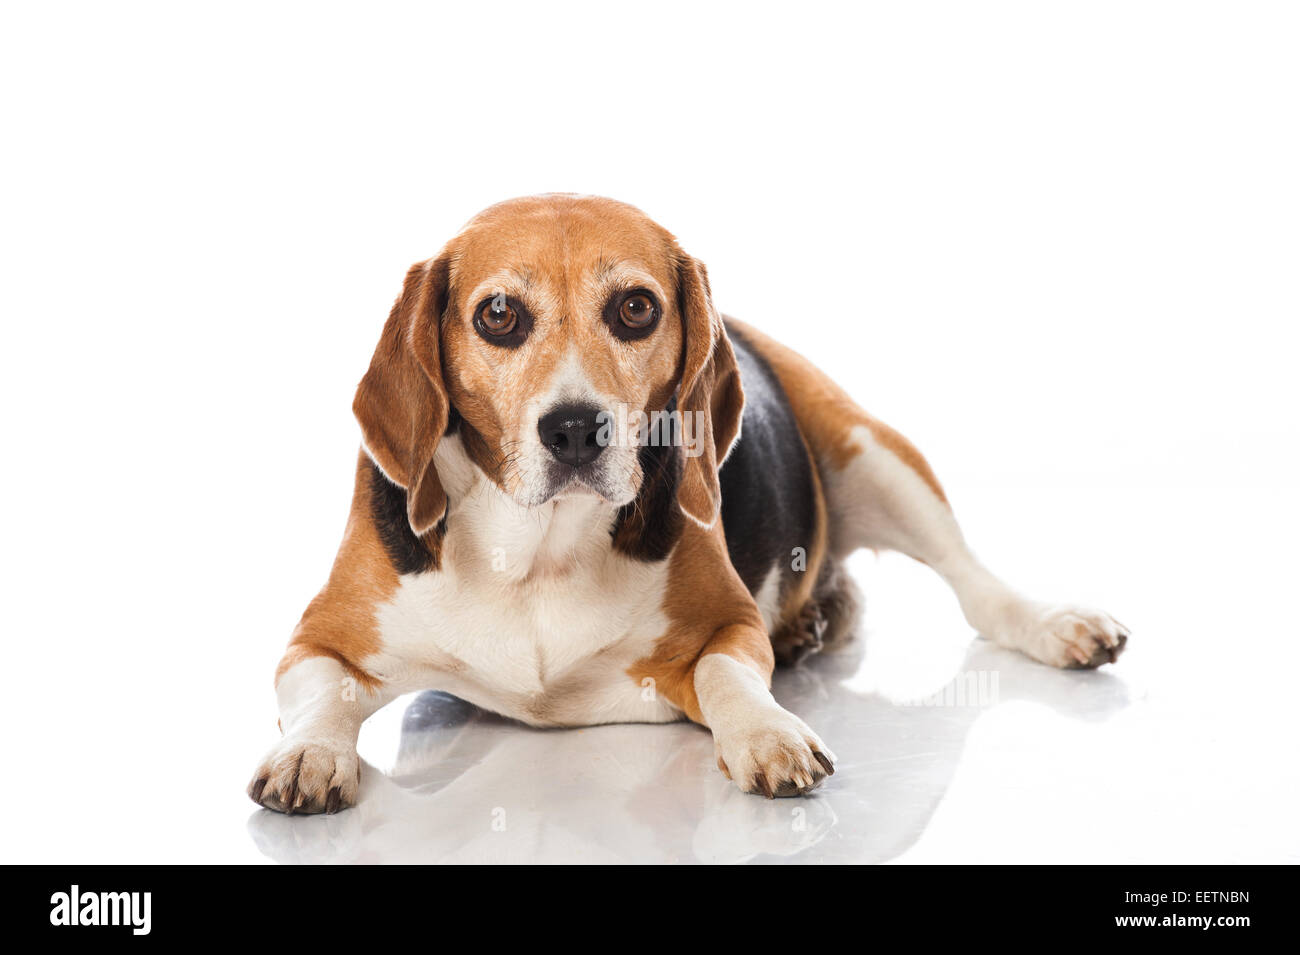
{"points": [[559, 329]]}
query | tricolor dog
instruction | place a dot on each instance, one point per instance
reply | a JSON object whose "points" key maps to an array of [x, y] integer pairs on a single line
{"points": [[584, 497]]}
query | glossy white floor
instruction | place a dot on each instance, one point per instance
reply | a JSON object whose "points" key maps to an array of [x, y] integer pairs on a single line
{"points": [[1184, 751]]}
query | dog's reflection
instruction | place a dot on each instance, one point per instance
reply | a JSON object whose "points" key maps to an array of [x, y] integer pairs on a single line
{"points": [[469, 786]]}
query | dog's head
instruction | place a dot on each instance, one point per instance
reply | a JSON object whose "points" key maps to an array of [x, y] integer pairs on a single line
{"points": [[558, 335]]}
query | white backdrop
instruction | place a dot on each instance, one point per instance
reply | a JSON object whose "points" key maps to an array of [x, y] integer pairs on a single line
{"points": [[1055, 244]]}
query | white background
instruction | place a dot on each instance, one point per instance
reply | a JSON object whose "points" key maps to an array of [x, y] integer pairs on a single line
{"points": [[1055, 244]]}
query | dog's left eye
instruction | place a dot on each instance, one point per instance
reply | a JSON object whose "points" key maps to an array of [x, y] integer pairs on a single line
{"points": [[632, 315], [637, 311]]}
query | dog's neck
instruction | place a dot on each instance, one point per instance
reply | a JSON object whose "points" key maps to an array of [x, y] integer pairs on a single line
{"points": [[491, 536]]}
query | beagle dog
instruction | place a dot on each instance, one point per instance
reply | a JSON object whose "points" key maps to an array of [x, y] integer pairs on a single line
{"points": [[584, 497]]}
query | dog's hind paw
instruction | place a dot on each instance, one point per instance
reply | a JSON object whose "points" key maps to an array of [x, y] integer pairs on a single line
{"points": [[1073, 637]]}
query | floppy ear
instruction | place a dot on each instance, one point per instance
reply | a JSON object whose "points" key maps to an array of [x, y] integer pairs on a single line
{"points": [[401, 402], [710, 397]]}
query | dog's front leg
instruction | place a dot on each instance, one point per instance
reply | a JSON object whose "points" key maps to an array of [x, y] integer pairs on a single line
{"points": [[315, 767], [762, 747]]}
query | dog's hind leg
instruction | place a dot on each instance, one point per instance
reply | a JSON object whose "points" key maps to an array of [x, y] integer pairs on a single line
{"points": [[882, 494]]}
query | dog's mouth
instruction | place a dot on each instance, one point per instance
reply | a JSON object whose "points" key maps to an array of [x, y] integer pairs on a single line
{"points": [[587, 481]]}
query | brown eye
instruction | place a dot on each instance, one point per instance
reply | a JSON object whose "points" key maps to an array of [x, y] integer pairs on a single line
{"points": [[498, 319], [637, 311], [631, 315]]}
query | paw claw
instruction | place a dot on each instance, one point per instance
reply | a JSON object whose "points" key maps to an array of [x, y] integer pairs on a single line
{"points": [[826, 764], [291, 800]]}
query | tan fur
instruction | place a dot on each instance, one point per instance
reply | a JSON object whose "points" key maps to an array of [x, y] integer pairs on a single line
{"points": [[340, 622], [711, 388], [710, 611], [401, 403]]}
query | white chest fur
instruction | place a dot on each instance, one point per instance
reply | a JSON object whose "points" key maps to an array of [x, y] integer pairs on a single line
{"points": [[532, 614]]}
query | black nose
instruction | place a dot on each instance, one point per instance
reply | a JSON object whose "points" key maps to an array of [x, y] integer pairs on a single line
{"points": [[572, 433]]}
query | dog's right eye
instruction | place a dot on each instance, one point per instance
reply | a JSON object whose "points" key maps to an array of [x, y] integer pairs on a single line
{"points": [[498, 319], [502, 321]]}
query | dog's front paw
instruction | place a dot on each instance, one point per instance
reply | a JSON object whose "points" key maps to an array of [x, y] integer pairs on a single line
{"points": [[307, 776], [1073, 637], [774, 754]]}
